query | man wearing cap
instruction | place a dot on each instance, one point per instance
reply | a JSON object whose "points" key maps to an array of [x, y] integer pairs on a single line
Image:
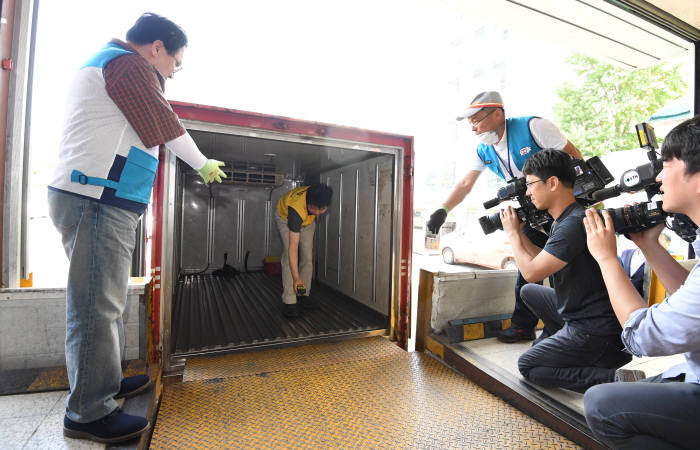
{"points": [[505, 145]]}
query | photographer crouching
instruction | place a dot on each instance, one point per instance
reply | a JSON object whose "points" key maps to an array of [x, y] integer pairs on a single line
{"points": [[662, 411], [585, 347]]}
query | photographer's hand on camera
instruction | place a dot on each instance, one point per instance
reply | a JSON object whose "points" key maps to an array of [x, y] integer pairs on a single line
{"points": [[600, 236], [647, 238], [510, 221]]}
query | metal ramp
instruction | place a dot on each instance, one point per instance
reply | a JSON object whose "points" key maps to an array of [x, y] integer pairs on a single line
{"points": [[360, 393]]}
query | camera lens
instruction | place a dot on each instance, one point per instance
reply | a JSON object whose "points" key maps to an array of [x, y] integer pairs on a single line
{"points": [[490, 223], [635, 218]]}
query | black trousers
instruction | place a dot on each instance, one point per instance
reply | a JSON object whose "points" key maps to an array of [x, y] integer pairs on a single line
{"points": [[654, 414], [570, 358], [522, 316]]}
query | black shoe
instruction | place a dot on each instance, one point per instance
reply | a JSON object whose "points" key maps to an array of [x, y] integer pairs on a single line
{"points": [[116, 426], [513, 334], [290, 310], [131, 386], [307, 302]]}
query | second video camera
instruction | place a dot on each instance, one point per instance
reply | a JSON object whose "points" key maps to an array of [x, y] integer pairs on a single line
{"points": [[636, 218], [639, 217]]}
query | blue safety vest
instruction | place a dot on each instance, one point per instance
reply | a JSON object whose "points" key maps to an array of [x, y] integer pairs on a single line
{"points": [[521, 146], [101, 156]]}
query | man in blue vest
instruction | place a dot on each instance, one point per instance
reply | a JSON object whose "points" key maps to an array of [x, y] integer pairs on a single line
{"points": [[505, 146]]}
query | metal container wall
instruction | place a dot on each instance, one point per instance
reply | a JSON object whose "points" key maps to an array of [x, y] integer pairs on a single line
{"points": [[197, 226], [235, 220], [354, 241]]}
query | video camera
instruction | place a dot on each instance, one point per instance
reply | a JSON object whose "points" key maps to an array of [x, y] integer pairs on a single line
{"points": [[591, 176], [527, 212], [639, 217]]}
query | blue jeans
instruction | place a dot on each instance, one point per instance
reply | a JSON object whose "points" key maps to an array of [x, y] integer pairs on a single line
{"points": [[655, 413], [99, 240]]}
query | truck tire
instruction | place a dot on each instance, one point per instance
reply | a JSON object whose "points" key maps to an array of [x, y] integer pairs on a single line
{"points": [[509, 264], [448, 256]]}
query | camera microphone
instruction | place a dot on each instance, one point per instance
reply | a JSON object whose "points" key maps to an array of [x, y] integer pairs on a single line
{"points": [[604, 194], [491, 203]]}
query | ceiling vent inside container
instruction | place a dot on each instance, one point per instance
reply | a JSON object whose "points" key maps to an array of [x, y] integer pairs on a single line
{"points": [[252, 174]]}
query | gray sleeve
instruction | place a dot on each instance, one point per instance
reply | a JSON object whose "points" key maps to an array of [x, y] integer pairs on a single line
{"points": [[546, 134], [669, 327]]}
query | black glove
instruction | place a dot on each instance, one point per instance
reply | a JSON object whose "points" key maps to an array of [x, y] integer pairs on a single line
{"points": [[436, 220]]}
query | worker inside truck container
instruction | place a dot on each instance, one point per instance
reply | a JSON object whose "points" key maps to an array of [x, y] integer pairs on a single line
{"points": [[296, 221], [585, 346], [117, 119], [661, 411], [505, 146]]}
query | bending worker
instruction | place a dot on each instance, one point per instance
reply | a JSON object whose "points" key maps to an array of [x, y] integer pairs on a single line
{"points": [[117, 122], [505, 146], [296, 221]]}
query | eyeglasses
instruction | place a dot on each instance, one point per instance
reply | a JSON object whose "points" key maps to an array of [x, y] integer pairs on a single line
{"points": [[178, 66], [527, 185], [474, 123]]}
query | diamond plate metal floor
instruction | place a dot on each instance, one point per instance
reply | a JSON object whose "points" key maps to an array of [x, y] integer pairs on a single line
{"points": [[394, 399], [236, 365]]}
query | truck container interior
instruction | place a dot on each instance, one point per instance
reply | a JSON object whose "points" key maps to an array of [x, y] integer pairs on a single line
{"points": [[226, 246]]}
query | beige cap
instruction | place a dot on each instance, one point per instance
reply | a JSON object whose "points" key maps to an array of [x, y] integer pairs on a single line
{"points": [[488, 99]]}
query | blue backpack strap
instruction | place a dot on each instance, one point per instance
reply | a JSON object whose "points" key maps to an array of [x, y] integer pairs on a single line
{"points": [[637, 278], [77, 176], [626, 259], [108, 53]]}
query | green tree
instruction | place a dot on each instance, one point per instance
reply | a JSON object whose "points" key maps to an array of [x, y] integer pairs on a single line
{"points": [[598, 111]]}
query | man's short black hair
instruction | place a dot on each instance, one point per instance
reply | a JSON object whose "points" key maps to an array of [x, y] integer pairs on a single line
{"points": [[551, 163], [319, 195], [683, 142], [151, 27]]}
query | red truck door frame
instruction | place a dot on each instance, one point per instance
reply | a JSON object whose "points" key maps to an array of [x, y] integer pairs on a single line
{"points": [[400, 310]]}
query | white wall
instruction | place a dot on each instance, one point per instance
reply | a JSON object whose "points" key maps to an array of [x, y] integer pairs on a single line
{"points": [[33, 327]]}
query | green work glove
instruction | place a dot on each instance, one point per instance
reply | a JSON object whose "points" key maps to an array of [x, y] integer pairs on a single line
{"points": [[211, 172]]}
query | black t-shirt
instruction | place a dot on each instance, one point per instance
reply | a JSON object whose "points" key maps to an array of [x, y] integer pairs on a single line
{"points": [[293, 220], [582, 299]]}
